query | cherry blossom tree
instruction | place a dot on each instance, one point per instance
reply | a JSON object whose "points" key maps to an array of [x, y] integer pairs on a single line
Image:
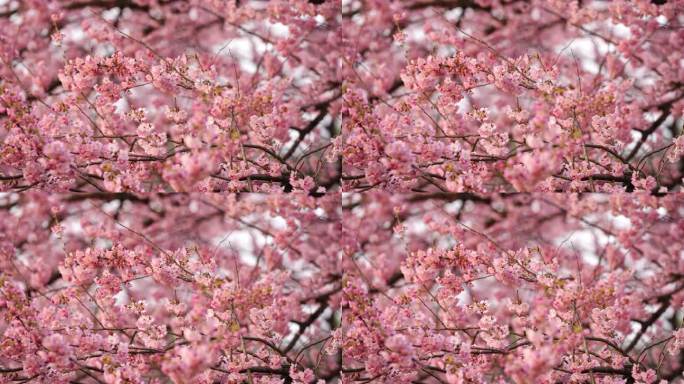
{"points": [[199, 288], [341, 191], [169, 95], [513, 95], [542, 288]]}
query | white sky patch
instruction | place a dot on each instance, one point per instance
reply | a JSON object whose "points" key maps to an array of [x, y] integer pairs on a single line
{"points": [[110, 207], [248, 242], [320, 212], [416, 33], [76, 33], [121, 105], [417, 226], [584, 51], [453, 207], [621, 31], [279, 29], [583, 243], [453, 14], [122, 297], [622, 222], [242, 50], [280, 223], [662, 212], [111, 14], [243, 242]]}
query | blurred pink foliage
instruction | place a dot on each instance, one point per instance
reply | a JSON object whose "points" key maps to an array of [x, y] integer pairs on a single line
{"points": [[513, 95], [541, 288], [169, 95], [200, 288], [341, 191]]}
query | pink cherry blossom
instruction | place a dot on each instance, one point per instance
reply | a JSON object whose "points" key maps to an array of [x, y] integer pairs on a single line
{"points": [[580, 95], [182, 288], [184, 95], [521, 288], [341, 191]]}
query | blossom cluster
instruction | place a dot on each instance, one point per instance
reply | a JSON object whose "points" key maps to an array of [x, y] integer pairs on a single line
{"points": [[503, 96], [341, 191], [540, 288], [160, 96], [184, 288]]}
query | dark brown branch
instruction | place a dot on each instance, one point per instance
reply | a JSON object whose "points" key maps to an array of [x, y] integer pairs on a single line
{"points": [[645, 134], [303, 326], [304, 132], [646, 324]]}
